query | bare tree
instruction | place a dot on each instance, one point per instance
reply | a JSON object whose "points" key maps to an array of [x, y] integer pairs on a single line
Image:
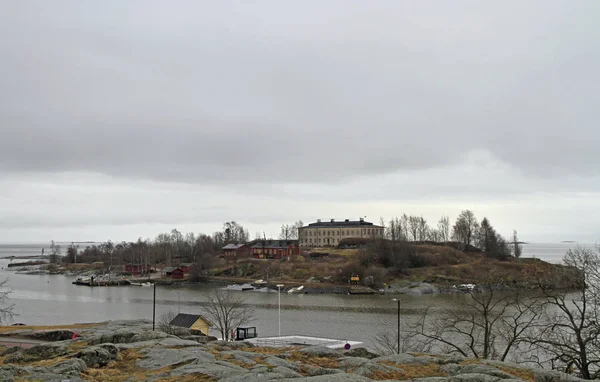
{"points": [[465, 228], [443, 227], [571, 337], [414, 223], [489, 325], [164, 323], [55, 252], [423, 230], [227, 311], [6, 307]]}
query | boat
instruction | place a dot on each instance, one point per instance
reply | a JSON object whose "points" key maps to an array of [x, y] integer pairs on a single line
{"points": [[259, 283], [146, 284], [296, 289]]}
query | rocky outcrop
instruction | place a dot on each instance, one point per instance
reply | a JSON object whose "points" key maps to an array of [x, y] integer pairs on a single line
{"points": [[117, 348]]}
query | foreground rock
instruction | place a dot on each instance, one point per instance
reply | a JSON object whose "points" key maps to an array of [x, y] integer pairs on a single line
{"points": [[131, 351]]}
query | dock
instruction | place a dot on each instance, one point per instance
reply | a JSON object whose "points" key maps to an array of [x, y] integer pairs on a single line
{"points": [[297, 340]]}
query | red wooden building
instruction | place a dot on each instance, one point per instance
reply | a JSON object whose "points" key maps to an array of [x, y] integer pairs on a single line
{"points": [[136, 269], [275, 249], [185, 267], [236, 251], [173, 272]]}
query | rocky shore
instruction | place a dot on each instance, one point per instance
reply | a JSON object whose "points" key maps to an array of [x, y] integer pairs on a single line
{"points": [[131, 351]]}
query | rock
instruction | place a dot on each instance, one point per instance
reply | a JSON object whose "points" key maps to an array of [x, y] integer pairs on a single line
{"points": [[316, 371], [6, 375], [11, 350], [475, 369], [239, 356], [71, 367], [96, 356], [175, 341], [370, 367], [406, 359], [38, 352], [285, 372], [473, 377], [125, 335], [553, 376], [157, 358], [351, 363], [431, 379], [200, 339], [321, 351], [360, 352], [216, 370], [341, 377], [234, 345], [276, 361]]}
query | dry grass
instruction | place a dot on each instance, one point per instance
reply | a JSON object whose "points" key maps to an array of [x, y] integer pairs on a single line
{"points": [[270, 351], [6, 329], [526, 375], [408, 372], [120, 370], [193, 377], [315, 361]]}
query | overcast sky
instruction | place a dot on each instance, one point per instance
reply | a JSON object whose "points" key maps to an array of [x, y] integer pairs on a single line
{"points": [[122, 119]]}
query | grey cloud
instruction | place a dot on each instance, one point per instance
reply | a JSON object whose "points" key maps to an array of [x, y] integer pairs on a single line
{"points": [[226, 92]]}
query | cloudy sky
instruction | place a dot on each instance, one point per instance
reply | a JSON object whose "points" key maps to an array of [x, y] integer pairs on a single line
{"points": [[121, 119]]}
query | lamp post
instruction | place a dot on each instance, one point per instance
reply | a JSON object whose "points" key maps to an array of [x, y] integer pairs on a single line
{"points": [[398, 301], [279, 286]]}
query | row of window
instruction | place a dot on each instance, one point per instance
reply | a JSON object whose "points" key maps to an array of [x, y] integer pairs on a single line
{"points": [[364, 231]]}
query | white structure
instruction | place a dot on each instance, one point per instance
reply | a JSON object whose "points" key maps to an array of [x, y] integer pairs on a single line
{"points": [[289, 341]]}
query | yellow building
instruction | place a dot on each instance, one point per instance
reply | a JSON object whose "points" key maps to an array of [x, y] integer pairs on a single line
{"points": [[326, 234], [192, 321]]}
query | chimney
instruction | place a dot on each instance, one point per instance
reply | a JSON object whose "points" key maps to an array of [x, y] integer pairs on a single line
{"points": [[347, 220], [332, 220], [318, 220], [362, 219]]}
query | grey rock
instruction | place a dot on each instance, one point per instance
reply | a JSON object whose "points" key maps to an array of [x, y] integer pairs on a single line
{"points": [[96, 356], [6, 375], [70, 367], [360, 352], [511, 380], [233, 345], [316, 371], [285, 372], [478, 369], [406, 359], [351, 363], [340, 377], [260, 369], [368, 368], [431, 379], [553, 376], [39, 352], [216, 370], [321, 351], [11, 350], [276, 361], [174, 341], [124, 335], [238, 356], [111, 349], [473, 377], [157, 358]]}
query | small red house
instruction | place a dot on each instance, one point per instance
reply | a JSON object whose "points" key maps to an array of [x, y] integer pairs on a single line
{"points": [[136, 269], [185, 267], [173, 272]]}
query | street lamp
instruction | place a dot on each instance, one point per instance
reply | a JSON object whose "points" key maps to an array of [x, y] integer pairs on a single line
{"points": [[279, 286], [398, 300]]}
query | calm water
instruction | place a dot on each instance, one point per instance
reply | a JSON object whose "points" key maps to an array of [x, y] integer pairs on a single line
{"points": [[52, 299]]}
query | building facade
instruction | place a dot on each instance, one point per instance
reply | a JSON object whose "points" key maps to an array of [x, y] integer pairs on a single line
{"points": [[328, 234]]}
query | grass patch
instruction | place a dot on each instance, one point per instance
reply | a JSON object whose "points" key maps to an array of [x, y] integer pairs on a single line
{"points": [[120, 370], [408, 372], [193, 377], [270, 351], [331, 363]]}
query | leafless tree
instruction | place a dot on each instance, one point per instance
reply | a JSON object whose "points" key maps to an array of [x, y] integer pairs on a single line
{"points": [[234, 233], [443, 227], [164, 323], [55, 252], [6, 307], [227, 311], [465, 228], [414, 223], [423, 230], [571, 337], [490, 325]]}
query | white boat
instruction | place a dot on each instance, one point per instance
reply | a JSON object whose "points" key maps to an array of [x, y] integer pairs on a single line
{"points": [[296, 290], [146, 284]]}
